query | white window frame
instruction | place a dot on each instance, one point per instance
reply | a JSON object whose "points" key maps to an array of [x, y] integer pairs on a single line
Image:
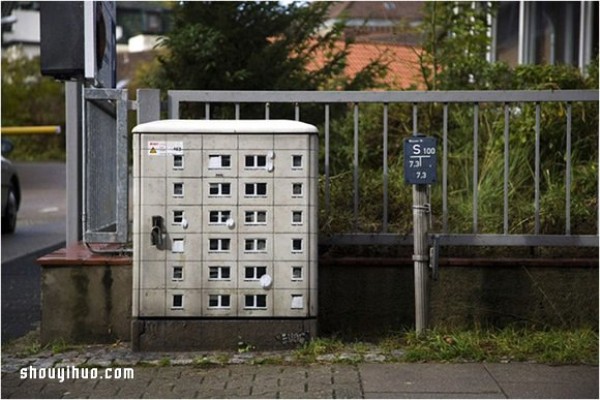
{"points": [[220, 269], [254, 217], [255, 159], [220, 158], [298, 212], [255, 186], [297, 167], [180, 157], [294, 250], [220, 242], [219, 186], [175, 186], [255, 272], [222, 217], [176, 217], [255, 245], [295, 296], [173, 269], [180, 307], [255, 298], [297, 268], [178, 240], [297, 185], [219, 298]]}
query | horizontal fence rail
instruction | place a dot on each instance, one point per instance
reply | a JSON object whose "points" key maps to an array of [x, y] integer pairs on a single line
{"points": [[508, 101]]}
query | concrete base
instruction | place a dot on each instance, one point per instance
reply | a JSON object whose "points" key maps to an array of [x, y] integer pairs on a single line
{"points": [[220, 334]]}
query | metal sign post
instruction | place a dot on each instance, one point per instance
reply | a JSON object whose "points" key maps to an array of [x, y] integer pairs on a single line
{"points": [[420, 161]]}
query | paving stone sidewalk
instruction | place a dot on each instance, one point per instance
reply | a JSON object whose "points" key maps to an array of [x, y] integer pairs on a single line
{"points": [[280, 375]]}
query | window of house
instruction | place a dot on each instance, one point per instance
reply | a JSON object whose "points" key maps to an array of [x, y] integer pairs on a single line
{"points": [[256, 161], [296, 161], [297, 190], [219, 189], [218, 217], [254, 273], [177, 302], [177, 273], [296, 217], [297, 273], [219, 301], [219, 161], [178, 217], [297, 302], [255, 245], [177, 245], [178, 189], [219, 273], [255, 217], [296, 245], [219, 245], [254, 301], [178, 161], [256, 189]]}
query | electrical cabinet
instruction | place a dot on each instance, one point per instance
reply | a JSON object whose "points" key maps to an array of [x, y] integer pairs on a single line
{"points": [[225, 219]]}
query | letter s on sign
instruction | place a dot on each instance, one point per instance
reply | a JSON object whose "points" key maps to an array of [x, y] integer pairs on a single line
{"points": [[416, 149]]}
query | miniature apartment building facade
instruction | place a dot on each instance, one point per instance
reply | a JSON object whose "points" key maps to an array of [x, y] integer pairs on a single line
{"points": [[225, 219]]}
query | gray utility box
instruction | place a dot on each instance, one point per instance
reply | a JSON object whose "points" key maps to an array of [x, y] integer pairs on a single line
{"points": [[225, 232]]}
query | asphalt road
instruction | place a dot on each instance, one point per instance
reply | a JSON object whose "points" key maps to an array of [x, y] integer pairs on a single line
{"points": [[40, 229]]}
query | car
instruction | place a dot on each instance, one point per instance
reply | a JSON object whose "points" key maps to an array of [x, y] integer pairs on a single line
{"points": [[11, 191]]}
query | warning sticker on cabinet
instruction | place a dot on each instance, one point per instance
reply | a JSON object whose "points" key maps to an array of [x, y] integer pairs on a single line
{"points": [[161, 148]]}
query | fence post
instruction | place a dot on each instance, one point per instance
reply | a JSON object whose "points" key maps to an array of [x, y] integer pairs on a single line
{"points": [[421, 256]]}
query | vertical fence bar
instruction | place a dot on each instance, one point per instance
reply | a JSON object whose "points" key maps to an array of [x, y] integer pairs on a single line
{"points": [[356, 198], [475, 164], [237, 111], [445, 170], [506, 164], [568, 174], [207, 111], [327, 187], [385, 167], [537, 167], [297, 111], [415, 116], [267, 111]]}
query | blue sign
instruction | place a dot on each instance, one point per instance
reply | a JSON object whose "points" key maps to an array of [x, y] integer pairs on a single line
{"points": [[420, 160]]}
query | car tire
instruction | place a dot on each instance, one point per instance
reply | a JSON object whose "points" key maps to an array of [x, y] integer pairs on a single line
{"points": [[9, 222]]}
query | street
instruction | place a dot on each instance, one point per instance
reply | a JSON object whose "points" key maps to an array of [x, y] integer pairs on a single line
{"points": [[40, 229]]}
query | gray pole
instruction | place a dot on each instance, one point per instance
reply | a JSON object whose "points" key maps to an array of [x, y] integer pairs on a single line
{"points": [[421, 256], [73, 109]]}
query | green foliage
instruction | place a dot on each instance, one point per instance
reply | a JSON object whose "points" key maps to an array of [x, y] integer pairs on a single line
{"points": [[255, 46], [453, 58], [551, 346], [28, 99]]}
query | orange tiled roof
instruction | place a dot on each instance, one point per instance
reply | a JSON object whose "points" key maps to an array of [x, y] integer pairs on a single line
{"points": [[402, 62]]}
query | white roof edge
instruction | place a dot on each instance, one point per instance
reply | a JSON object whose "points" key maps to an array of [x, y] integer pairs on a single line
{"points": [[225, 126]]}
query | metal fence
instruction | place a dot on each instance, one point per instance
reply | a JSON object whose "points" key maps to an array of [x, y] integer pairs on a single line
{"points": [[418, 99], [106, 218]]}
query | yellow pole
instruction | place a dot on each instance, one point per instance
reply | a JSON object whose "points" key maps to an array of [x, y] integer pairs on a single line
{"points": [[31, 130]]}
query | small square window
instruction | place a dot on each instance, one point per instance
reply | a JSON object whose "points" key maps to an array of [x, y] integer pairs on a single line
{"points": [[296, 161], [178, 217], [219, 273], [178, 161], [297, 273], [296, 245], [296, 217], [219, 161], [178, 189], [254, 273], [297, 302], [177, 273], [177, 246], [177, 301], [297, 189]]}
